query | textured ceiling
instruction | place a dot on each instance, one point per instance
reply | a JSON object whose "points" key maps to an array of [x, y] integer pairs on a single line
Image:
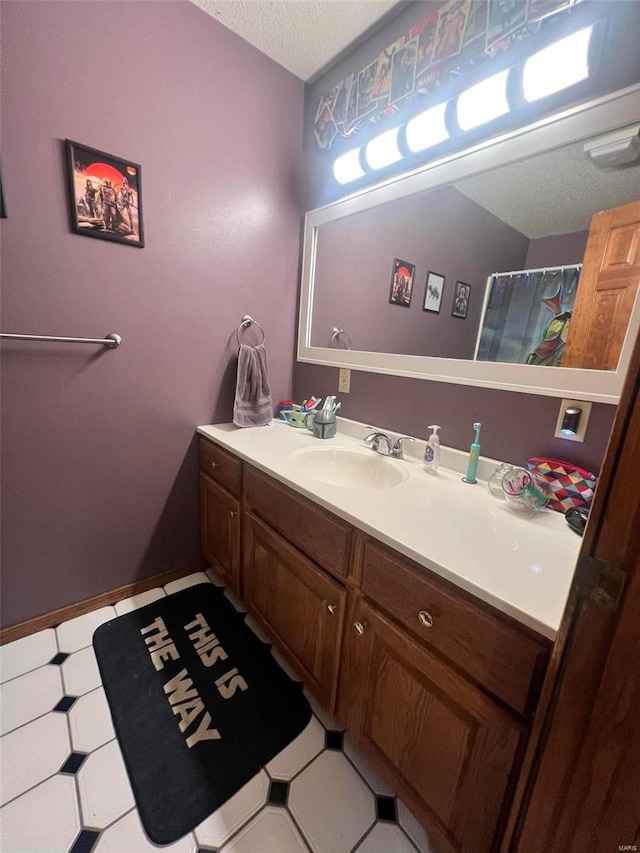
{"points": [[554, 193], [302, 35]]}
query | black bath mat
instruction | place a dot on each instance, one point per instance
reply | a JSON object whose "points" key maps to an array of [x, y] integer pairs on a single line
{"points": [[188, 661]]}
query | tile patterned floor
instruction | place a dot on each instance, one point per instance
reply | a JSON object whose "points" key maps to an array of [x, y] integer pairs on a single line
{"points": [[64, 787]]}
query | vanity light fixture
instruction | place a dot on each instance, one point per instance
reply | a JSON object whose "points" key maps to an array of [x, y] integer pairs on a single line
{"points": [[558, 66], [483, 102], [347, 168], [383, 150], [427, 129]]}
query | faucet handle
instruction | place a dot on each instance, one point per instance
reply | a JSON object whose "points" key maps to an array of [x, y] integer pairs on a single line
{"points": [[397, 446]]}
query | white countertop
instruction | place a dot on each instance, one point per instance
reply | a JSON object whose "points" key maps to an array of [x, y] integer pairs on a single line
{"points": [[523, 566]]}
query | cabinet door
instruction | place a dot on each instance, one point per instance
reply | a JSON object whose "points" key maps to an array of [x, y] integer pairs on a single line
{"points": [[220, 530], [447, 748], [300, 605]]}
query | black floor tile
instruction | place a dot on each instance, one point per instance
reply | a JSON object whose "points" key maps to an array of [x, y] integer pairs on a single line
{"points": [[65, 704], [73, 763], [85, 842], [278, 793], [59, 658], [386, 808], [334, 740]]}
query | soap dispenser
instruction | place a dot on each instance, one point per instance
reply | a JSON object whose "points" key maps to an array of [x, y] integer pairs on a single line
{"points": [[432, 451]]}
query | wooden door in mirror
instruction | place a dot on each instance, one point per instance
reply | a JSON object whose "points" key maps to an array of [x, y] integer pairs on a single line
{"points": [[607, 291]]}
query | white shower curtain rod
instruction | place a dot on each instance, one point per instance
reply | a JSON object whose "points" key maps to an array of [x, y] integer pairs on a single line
{"points": [[539, 269]]}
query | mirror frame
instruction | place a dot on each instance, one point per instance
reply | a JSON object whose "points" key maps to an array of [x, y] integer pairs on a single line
{"points": [[573, 125]]}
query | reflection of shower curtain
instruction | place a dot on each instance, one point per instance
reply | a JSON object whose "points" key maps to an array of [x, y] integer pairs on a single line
{"points": [[527, 316]]}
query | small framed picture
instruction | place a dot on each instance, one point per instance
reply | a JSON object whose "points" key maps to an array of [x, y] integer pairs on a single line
{"points": [[433, 288], [105, 192], [461, 300], [401, 283]]}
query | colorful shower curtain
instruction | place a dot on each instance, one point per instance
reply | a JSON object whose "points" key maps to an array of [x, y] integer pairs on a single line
{"points": [[527, 316]]}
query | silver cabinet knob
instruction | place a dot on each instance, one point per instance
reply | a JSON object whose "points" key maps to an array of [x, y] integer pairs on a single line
{"points": [[358, 627], [213, 464], [331, 608], [425, 618], [232, 513]]}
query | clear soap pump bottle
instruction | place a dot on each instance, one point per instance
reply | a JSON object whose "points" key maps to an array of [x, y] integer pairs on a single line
{"points": [[432, 451]]}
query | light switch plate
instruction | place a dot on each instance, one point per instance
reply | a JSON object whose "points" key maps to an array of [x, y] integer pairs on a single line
{"points": [[344, 380], [584, 419]]}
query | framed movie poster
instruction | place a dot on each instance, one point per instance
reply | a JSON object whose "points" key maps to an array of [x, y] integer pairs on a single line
{"points": [[401, 283], [461, 300], [105, 193], [433, 288]]}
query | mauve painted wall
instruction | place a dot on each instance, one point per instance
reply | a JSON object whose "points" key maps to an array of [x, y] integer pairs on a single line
{"points": [[557, 250], [516, 425], [442, 231], [100, 483]]}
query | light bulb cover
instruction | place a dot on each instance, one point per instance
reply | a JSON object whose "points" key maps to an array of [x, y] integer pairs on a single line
{"points": [[427, 129], [383, 150], [347, 168], [483, 102], [557, 66]]}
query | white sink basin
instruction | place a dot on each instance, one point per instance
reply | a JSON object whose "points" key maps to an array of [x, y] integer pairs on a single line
{"points": [[351, 468]]}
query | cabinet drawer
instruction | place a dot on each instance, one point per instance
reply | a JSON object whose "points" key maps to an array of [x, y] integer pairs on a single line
{"points": [[504, 659], [221, 467], [316, 532]]}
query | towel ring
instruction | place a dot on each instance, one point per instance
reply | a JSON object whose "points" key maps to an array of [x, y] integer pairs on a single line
{"points": [[247, 321], [337, 332]]}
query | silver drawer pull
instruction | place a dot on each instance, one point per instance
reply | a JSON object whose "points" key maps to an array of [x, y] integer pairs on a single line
{"points": [[232, 513], [213, 464], [331, 608], [425, 618], [358, 627]]}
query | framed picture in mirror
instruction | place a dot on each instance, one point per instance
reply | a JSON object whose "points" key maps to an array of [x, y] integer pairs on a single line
{"points": [[433, 289], [401, 283], [461, 300]]}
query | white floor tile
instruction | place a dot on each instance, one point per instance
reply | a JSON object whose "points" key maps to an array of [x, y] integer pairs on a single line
{"points": [[272, 831], [105, 792], [299, 753], [90, 722], [233, 598], [137, 601], [414, 830], [29, 696], [331, 804], [185, 582], [215, 577], [220, 826], [250, 622], [376, 782], [321, 713], [31, 754], [45, 819], [77, 633], [27, 653], [80, 672], [128, 834], [283, 664], [386, 838]]}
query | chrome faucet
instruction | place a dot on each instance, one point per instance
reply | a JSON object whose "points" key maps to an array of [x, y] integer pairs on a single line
{"points": [[394, 448]]}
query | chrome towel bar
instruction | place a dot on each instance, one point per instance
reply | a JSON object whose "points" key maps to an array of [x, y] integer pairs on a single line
{"points": [[111, 340]]}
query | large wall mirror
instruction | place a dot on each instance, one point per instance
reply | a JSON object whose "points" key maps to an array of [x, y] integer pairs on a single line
{"points": [[468, 270]]}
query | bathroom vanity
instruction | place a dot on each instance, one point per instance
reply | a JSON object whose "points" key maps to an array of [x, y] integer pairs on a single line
{"points": [[419, 610]]}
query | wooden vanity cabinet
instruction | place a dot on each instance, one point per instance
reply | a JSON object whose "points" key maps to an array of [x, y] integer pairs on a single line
{"points": [[448, 750], [300, 605], [220, 489], [437, 688]]}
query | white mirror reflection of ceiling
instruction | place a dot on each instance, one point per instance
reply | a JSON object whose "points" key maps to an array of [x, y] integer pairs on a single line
{"points": [[554, 193], [304, 36]]}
